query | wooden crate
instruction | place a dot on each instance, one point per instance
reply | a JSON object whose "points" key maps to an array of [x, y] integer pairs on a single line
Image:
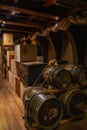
{"points": [[13, 67], [18, 68], [18, 89], [40, 58], [24, 53], [12, 80], [10, 56], [31, 72]]}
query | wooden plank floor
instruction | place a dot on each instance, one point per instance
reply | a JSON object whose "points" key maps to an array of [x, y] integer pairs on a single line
{"points": [[11, 112], [11, 108]]}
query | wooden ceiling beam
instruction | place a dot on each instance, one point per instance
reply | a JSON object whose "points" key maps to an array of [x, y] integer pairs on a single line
{"points": [[30, 18], [31, 25], [24, 25], [29, 12], [15, 30]]}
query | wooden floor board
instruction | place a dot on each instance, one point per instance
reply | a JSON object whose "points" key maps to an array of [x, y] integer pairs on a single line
{"points": [[11, 109]]}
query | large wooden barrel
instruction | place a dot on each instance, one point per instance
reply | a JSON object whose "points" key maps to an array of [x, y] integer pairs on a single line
{"points": [[75, 102], [84, 90], [57, 76], [79, 73], [42, 107]]}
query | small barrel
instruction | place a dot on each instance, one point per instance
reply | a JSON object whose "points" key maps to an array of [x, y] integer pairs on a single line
{"points": [[79, 73], [57, 76], [75, 102], [43, 108]]}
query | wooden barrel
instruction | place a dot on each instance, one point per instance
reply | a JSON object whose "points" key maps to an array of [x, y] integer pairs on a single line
{"points": [[84, 90], [75, 102], [79, 73], [42, 107], [57, 76]]}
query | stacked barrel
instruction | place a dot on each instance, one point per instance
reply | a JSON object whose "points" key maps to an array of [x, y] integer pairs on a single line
{"points": [[69, 79], [57, 77], [42, 107], [64, 98]]}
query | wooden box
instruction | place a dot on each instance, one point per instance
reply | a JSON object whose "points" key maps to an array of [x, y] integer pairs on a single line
{"points": [[12, 80], [13, 67], [10, 55], [25, 53], [31, 72], [18, 89], [18, 68]]}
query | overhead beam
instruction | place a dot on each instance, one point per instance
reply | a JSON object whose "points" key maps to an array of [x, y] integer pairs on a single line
{"points": [[15, 30], [22, 24], [29, 12], [23, 16]]}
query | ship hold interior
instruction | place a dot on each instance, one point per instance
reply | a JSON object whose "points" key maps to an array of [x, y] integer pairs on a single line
{"points": [[43, 64]]}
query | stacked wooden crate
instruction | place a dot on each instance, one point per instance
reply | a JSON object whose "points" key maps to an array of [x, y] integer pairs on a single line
{"points": [[22, 53], [25, 53], [12, 80], [16, 84], [10, 56], [31, 73], [26, 56], [14, 67]]}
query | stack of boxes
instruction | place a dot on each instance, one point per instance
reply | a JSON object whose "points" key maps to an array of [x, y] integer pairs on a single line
{"points": [[21, 54], [11, 76]]}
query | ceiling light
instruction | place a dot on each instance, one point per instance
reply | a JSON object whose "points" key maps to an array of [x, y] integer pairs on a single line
{"points": [[3, 23]]}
